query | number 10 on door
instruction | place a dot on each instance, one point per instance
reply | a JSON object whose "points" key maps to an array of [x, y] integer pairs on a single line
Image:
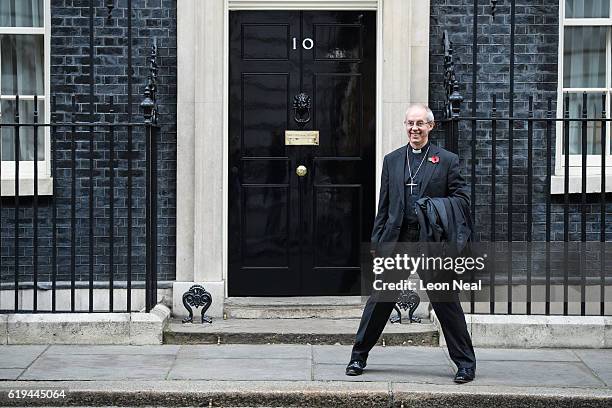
{"points": [[307, 43]]}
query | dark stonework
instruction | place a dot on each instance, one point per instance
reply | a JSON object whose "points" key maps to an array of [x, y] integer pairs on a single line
{"points": [[536, 59], [70, 75]]}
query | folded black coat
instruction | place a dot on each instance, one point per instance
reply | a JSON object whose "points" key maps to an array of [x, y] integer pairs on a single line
{"points": [[445, 219], [445, 231]]}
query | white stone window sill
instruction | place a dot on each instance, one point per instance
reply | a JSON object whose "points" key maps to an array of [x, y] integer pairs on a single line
{"points": [[593, 184], [26, 187]]}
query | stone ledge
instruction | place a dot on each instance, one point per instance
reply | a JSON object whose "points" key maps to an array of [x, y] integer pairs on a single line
{"points": [[608, 332], [68, 328], [3, 328], [537, 331], [148, 328], [86, 328]]}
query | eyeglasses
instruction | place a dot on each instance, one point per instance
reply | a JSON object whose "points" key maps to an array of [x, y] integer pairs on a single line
{"points": [[419, 124]]}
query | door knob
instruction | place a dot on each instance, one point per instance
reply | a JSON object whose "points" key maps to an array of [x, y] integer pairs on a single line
{"points": [[301, 170]]}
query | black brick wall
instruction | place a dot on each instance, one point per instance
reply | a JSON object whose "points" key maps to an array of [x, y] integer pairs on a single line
{"points": [[70, 75], [536, 59]]}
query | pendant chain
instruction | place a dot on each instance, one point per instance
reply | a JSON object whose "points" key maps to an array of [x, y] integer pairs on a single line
{"points": [[418, 168]]}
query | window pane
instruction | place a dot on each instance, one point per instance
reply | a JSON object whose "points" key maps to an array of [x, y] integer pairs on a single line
{"points": [[22, 64], [584, 57], [26, 133], [587, 8], [593, 128], [21, 13]]}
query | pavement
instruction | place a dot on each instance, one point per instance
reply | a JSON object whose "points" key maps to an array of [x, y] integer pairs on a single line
{"points": [[300, 375]]}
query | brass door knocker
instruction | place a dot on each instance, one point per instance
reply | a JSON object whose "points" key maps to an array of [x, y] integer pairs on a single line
{"points": [[301, 109]]}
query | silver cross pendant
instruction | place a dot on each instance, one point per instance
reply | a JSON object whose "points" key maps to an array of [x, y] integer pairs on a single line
{"points": [[411, 185]]}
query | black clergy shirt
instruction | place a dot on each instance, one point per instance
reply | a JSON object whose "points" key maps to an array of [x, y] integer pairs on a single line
{"points": [[410, 219]]}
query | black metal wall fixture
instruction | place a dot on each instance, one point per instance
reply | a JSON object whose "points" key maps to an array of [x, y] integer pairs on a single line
{"points": [[407, 301], [569, 219], [87, 133], [197, 296]]}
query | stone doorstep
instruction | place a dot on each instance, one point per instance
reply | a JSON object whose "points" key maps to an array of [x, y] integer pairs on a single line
{"points": [[294, 331], [301, 394], [536, 331], [85, 328]]}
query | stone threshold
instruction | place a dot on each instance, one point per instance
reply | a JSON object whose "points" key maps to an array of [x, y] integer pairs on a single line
{"points": [[317, 394], [85, 328]]}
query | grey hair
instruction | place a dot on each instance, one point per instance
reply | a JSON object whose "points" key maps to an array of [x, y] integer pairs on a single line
{"points": [[430, 115]]}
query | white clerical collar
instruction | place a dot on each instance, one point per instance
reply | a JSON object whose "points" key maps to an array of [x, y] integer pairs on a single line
{"points": [[417, 151]]}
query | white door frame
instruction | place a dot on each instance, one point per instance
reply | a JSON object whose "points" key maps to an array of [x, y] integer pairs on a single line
{"points": [[402, 70]]}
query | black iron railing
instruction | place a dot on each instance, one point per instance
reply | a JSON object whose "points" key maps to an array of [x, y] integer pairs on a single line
{"points": [[90, 162], [453, 97], [95, 232], [84, 187], [573, 218], [570, 216]]}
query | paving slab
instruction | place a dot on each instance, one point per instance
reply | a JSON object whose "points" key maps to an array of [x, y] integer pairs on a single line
{"points": [[242, 351], [600, 361], [10, 373], [495, 354], [98, 367], [308, 375], [19, 356], [114, 349], [241, 369], [434, 374], [382, 355], [530, 373]]}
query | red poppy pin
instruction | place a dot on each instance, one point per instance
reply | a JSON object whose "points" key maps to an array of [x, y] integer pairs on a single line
{"points": [[434, 159]]}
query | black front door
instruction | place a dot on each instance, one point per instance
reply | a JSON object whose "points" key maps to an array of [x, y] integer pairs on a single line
{"points": [[290, 234]]}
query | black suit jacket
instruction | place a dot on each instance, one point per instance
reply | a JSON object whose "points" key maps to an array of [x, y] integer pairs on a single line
{"points": [[441, 179]]}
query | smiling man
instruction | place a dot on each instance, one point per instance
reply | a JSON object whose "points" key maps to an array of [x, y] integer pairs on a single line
{"points": [[418, 169]]}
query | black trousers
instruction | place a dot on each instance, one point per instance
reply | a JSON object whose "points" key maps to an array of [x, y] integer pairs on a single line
{"points": [[450, 315]]}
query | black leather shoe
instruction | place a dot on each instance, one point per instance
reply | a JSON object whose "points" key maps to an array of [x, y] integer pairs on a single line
{"points": [[464, 375], [355, 367]]}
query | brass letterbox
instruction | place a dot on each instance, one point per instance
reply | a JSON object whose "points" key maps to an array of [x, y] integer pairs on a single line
{"points": [[301, 137]]}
